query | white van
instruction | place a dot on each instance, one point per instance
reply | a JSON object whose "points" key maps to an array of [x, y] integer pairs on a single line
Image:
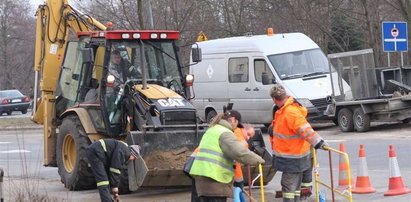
{"points": [[232, 69]]}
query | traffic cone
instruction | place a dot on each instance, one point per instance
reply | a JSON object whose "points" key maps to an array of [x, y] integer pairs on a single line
{"points": [[363, 185], [342, 174], [395, 184]]}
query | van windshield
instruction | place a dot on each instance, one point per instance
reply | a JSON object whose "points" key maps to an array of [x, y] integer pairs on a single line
{"points": [[300, 64]]}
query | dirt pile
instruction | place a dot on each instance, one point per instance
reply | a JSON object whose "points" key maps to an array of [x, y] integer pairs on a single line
{"points": [[167, 159]]}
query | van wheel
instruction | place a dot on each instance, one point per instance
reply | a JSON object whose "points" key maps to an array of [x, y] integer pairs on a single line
{"points": [[210, 116], [345, 120], [361, 120], [9, 112]]}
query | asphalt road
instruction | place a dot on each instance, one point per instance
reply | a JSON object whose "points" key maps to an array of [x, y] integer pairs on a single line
{"points": [[21, 154]]}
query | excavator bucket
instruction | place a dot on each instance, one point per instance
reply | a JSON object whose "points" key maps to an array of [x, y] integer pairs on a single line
{"points": [[137, 171], [162, 157], [164, 153], [257, 145]]}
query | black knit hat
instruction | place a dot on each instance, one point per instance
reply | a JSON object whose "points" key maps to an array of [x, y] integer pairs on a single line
{"points": [[135, 150]]}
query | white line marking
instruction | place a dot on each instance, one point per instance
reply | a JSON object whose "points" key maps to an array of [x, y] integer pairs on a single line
{"points": [[15, 151], [5, 142]]}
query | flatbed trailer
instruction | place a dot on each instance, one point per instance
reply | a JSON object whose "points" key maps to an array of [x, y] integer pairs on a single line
{"points": [[369, 103], [358, 114]]}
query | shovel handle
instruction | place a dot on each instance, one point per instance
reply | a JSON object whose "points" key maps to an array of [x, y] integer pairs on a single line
{"points": [[249, 196], [249, 181]]}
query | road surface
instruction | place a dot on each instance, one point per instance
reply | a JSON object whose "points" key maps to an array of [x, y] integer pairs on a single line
{"points": [[21, 153]]}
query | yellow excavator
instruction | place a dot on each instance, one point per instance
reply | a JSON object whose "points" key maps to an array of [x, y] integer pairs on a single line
{"points": [[85, 96]]}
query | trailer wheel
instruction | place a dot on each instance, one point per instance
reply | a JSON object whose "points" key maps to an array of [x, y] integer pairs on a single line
{"points": [[345, 120], [361, 120], [210, 115], [72, 143]]}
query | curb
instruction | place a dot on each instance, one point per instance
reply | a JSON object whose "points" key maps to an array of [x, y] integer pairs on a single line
{"points": [[20, 128]]}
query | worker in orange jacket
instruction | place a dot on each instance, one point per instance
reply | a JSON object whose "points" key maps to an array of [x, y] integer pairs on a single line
{"points": [[291, 141], [243, 134]]}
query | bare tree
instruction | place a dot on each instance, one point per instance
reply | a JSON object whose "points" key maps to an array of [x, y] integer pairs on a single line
{"points": [[16, 44]]}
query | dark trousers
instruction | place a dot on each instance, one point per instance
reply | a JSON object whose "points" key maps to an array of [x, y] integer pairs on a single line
{"points": [[308, 177], [290, 183], [100, 174]]}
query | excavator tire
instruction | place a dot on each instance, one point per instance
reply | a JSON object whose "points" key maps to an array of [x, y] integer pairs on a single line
{"points": [[72, 143]]}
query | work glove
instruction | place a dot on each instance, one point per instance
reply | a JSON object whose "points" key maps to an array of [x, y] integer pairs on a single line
{"points": [[321, 145], [239, 184], [259, 150], [261, 161], [114, 191]]}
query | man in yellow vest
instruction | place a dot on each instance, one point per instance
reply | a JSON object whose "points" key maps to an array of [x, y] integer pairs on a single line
{"points": [[213, 167], [291, 141], [107, 157]]}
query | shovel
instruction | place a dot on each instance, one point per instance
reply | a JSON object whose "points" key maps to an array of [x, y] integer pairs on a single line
{"points": [[249, 196]]}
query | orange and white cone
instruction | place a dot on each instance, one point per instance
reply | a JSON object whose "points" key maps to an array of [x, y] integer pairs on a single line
{"points": [[342, 174], [395, 185], [363, 185]]}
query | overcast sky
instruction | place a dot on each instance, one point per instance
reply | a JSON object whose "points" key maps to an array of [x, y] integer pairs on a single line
{"points": [[35, 3]]}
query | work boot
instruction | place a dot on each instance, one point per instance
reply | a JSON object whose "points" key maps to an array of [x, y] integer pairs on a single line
{"points": [[305, 193]]}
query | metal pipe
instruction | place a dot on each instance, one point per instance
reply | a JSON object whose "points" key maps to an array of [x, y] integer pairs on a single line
{"points": [[1, 184], [331, 175], [143, 67]]}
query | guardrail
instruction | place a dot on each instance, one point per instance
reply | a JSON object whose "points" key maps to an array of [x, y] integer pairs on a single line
{"points": [[347, 193]]}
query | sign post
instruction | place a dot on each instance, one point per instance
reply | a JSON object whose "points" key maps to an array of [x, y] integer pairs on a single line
{"points": [[395, 38]]}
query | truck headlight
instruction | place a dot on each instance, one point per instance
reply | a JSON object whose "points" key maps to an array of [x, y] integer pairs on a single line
{"points": [[305, 102], [110, 80]]}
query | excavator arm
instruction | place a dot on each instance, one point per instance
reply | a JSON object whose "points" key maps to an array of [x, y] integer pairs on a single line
{"points": [[55, 20]]}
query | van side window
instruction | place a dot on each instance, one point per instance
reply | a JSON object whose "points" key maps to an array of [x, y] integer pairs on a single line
{"points": [[261, 66], [238, 70]]}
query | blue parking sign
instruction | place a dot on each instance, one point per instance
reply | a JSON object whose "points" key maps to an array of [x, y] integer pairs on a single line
{"points": [[394, 36]]}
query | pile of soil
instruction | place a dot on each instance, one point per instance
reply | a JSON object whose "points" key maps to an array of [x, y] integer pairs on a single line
{"points": [[175, 158]]}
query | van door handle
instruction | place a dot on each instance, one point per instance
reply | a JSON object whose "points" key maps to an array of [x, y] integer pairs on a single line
{"points": [[256, 89], [247, 89]]}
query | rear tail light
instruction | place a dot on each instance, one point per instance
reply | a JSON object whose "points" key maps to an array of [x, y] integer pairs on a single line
{"points": [[26, 99], [4, 101]]}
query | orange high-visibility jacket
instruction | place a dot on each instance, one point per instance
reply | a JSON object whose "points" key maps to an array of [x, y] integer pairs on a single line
{"points": [[292, 134], [238, 173]]}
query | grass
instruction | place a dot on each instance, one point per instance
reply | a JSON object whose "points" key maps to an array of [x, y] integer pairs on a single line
{"points": [[7, 122], [28, 187]]}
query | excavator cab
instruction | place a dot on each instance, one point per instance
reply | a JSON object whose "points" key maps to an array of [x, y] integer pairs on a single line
{"points": [[128, 86]]}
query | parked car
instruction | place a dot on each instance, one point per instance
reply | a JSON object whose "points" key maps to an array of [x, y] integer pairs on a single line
{"points": [[13, 100]]}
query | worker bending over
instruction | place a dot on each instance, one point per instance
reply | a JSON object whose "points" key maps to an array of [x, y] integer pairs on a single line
{"points": [[213, 167], [107, 157], [291, 141], [243, 133]]}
